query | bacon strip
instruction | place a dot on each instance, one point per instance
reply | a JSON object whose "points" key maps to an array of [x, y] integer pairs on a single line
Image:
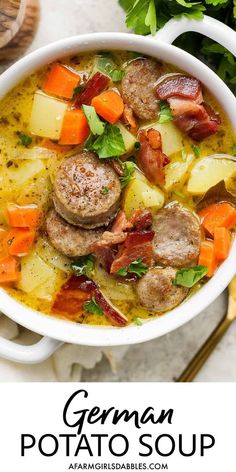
{"points": [[184, 96], [129, 119], [179, 86], [138, 244], [151, 159], [97, 84], [76, 291]]}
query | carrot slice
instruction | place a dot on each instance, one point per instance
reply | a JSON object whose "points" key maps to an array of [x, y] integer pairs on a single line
{"points": [[207, 257], [23, 216], [9, 269], [75, 128], [219, 215], [18, 241], [222, 243], [109, 105], [52, 146], [61, 81]]}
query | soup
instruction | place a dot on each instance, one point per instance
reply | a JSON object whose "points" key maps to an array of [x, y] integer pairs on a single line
{"points": [[117, 188]]}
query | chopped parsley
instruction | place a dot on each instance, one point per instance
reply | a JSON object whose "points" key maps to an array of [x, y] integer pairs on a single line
{"points": [[137, 321], [96, 125], [83, 265], [77, 91], [128, 168], [196, 150], [106, 65], [136, 267], [190, 276], [25, 139], [104, 190], [109, 144], [184, 155], [165, 114], [93, 307]]}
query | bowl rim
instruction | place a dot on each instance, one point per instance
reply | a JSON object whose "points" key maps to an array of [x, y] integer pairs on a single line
{"points": [[111, 336]]}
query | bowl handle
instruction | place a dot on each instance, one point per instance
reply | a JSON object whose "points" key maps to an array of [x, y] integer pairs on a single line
{"points": [[33, 354], [208, 26]]}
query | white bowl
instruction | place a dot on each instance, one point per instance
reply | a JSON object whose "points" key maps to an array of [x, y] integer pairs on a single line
{"points": [[56, 330]]}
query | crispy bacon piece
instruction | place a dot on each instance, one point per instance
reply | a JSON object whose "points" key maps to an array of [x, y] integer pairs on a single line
{"points": [[76, 291], [129, 119], [179, 86], [184, 96], [121, 223], [117, 167], [141, 219], [138, 244], [151, 159], [104, 254], [97, 84]]}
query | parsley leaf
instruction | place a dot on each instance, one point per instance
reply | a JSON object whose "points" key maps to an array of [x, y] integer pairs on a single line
{"points": [[83, 265], [25, 139], [136, 267], [190, 276], [136, 320], [77, 90], [104, 190], [96, 126], [107, 66], [196, 150], [109, 144], [128, 168], [151, 19], [165, 114], [93, 307]]}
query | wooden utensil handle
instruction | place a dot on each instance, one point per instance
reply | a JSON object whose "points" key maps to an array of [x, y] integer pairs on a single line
{"points": [[203, 354]]}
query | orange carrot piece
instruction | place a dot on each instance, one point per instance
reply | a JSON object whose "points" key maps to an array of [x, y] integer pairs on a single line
{"points": [[109, 105], [61, 81], [3, 233], [18, 241], [75, 128], [222, 243], [207, 257], [9, 269], [219, 215], [23, 216]]}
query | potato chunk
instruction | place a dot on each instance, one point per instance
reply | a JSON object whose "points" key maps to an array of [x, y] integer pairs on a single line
{"points": [[208, 172], [34, 272], [47, 116], [141, 194], [171, 137]]}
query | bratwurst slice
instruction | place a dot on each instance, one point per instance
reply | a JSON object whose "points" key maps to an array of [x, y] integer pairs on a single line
{"points": [[157, 292], [86, 191], [70, 240], [177, 237], [138, 88]]}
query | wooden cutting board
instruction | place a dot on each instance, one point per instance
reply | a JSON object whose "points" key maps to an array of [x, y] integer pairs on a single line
{"points": [[18, 24]]}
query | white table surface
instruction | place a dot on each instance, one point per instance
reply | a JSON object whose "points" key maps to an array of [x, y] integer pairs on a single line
{"points": [[162, 359]]}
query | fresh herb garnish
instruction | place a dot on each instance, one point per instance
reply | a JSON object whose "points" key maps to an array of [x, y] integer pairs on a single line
{"points": [[104, 190], [25, 139], [196, 150], [148, 16], [190, 276], [136, 267], [179, 194], [107, 66], [93, 307], [96, 126], [77, 91], [137, 321], [184, 155], [137, 146], [83, 265], [165, 114], [109, 144], [128, 169]]}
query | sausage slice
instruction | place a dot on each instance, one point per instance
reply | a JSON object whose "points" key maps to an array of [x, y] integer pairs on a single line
{"points": [[156, 291], [70, 240], [86, 191], [177, 237], [138, 88]]}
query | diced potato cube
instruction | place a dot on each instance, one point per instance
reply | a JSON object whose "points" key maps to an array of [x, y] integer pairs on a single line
{"points": [[208, 172], [46, 290], [47, 116], [128, 137], [51, 256], [34, 272], [177, 172], [171, 137], [141, 194]]}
